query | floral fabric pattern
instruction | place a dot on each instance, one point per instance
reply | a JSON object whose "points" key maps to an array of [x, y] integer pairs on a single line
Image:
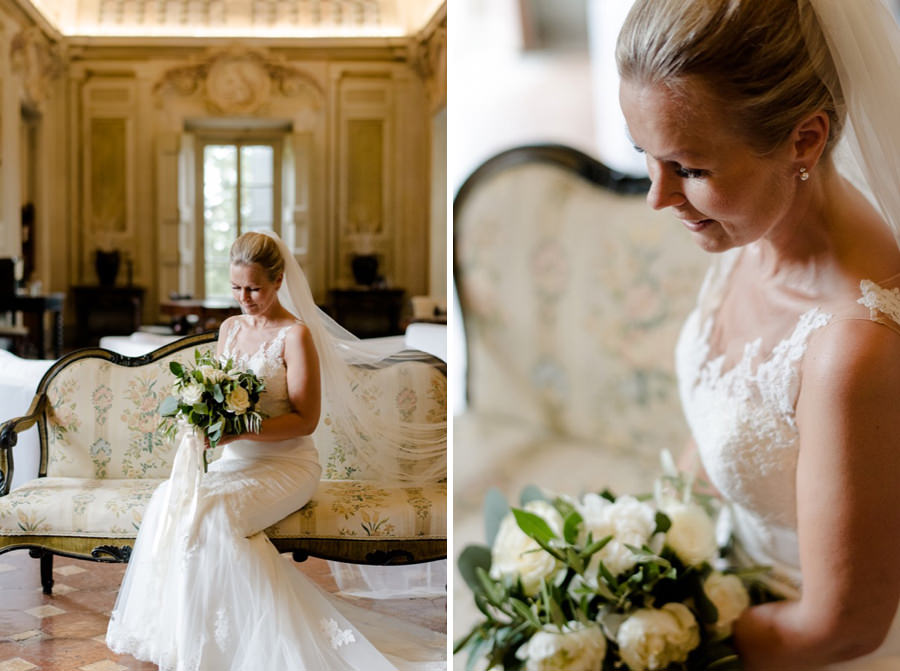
{"points": [[600, 284], [104, 420], [76, 507], [409, 392], [341, 509]]}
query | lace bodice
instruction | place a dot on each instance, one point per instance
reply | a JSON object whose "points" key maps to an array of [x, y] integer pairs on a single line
{"points": [[743, 419], [268, 364]]}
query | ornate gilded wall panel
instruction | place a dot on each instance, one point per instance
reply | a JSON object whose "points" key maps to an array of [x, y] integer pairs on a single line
{"points": [[108, 171], [365, 176], [108, 156]]}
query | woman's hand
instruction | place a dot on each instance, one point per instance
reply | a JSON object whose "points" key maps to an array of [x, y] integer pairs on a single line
{"points": [[224, 440]]}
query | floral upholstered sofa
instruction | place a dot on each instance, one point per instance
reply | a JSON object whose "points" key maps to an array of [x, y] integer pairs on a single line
{"points": [[102, 456], [572, 292]]}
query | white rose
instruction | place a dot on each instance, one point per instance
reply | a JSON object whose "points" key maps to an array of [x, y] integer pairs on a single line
{"points": [[192, 393], [237, 401], [651, 638], [517, 554], [576, 648], [213, 374], [628, 521], [730, 598], [693, 533]]}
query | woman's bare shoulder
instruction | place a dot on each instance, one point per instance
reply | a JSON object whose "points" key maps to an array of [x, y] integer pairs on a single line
{"points": [[853, 362]]}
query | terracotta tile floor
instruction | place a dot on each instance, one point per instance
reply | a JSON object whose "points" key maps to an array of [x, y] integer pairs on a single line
{"points": [[65, 631]]}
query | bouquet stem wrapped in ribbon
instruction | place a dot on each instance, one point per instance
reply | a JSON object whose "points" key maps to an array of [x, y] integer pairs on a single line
{"points": [[213, 397], [603, 583]]}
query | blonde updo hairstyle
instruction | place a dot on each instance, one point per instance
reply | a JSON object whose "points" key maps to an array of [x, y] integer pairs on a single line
{"points": [[260, 249], [766, 60]]}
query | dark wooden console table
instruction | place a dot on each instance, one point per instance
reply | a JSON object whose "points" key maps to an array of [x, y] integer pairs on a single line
{"points": [[106, 310], [34, 310], [368, 313]]}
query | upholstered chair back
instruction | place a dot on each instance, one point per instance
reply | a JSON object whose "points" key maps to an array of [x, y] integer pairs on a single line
{"points": [[573, 292], [103, 418]]}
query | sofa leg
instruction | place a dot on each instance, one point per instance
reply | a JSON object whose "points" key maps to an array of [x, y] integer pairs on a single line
{"points": [[46, 568], [300, 555], [47, 572]]}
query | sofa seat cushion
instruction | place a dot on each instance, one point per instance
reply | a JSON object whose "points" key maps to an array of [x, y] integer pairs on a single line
{"points": [[114, 509], [368, 510], [76, 507]]}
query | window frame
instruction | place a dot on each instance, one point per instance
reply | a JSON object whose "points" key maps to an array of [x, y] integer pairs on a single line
{"points": [[238, 139]]}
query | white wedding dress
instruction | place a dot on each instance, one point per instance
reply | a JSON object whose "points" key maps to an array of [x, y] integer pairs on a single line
{"points": [[205, 589], [743, 421]]}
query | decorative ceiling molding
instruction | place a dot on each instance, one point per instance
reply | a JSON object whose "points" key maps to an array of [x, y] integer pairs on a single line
{"points": [[37, 61], [230, 18], [428, 55], [238, 81]]}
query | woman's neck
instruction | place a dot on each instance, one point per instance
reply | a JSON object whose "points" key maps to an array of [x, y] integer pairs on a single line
{"points": [[809, 237], [274, 316], [832, 236]]}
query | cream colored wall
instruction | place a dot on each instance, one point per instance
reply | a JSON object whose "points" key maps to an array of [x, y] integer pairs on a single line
{"points": [[140, 90]]}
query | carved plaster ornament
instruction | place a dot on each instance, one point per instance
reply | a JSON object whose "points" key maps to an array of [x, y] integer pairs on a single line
{"points": [[237, 85], [429, 59], [38, 61], [238, 81]]}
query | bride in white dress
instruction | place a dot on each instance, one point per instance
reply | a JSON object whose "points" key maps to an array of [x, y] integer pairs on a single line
{"points": [[789, 368], [205, 589]]}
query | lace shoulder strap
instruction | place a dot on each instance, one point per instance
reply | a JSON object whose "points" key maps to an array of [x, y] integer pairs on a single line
{"points": [[235, 326], [275, 348], [883, 304]]}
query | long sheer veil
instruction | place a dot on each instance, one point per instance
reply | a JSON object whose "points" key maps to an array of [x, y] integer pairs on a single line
{"points": [[863, 39], [391, 451]]}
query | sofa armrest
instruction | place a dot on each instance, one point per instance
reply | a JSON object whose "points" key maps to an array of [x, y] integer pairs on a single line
{"points": [[9, 431]]}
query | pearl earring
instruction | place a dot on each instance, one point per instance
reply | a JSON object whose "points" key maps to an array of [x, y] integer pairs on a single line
{"points": [[804, 175]]}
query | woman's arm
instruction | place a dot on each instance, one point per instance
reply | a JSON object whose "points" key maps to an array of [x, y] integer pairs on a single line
{"points": [[848, 507]]}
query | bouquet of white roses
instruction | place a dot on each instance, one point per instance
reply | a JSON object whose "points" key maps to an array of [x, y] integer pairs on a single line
{"points": [[602, 583], [214, 397]]}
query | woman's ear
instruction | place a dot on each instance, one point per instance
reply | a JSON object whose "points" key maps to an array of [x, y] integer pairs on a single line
{"points": [[809, 139]]}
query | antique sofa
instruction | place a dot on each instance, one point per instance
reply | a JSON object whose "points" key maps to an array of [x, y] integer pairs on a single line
{"points": [[101, 457], [572, 292]]}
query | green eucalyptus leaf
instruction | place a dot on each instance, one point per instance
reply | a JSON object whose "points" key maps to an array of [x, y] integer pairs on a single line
{"points": [[495, 510], [472, 557], [169, 406], [218, 396], [531, 493]]}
